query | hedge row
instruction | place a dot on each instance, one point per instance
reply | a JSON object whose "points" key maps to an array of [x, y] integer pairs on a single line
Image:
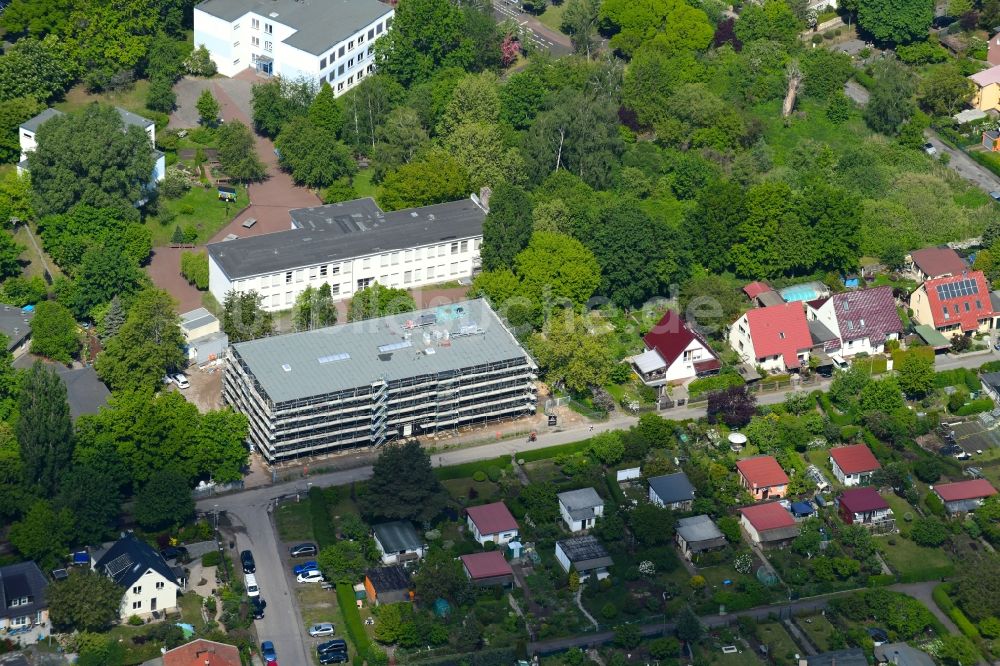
{"points": [[927, 573], [975, 407], [616, 491], [466, 470], [319, 513], [553, 451], [495, 657], [352, 618], [957, 377], [944, 602], [716, 383], [881, 580]]}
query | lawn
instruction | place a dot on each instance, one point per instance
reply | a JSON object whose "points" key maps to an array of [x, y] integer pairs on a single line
{"points": [[552, 16], [200, 208], [780, 645], [133, 99], [294, 522], [900, 507], [364, 186], [818, 629], [319, 605], [745, 657], [484, 491], [33, 257], [812, 124], [906, 556], [191, 604]]}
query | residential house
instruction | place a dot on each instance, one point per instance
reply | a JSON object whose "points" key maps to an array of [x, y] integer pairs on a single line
{"points": [[348, 246], [28, 132], [991, 385], [698, 534], [369, 382], [580, 509], [398, 542], [585, 555], [487, 569], [674, 353], [763, 477], [387, 585], [149, 584], [776, 338], [954, 305], [864, 506], [964, 496], [846, 657], [202, 652], [762, 295], [933, 262], [317, 41], [673, 491], [203, 336], [15, 323], [901, 654], [987, 93], [768, 525], [24, 613], [853, 465], [862, 320], [991, 140], [492, 522]]}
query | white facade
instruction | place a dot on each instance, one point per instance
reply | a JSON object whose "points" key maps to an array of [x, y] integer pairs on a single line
{"points": [[750, 530], [742, 342], [849, 479], [499, 538], [402, 269], [257, 39], [575, 525], [152, 592], [600, 572]]}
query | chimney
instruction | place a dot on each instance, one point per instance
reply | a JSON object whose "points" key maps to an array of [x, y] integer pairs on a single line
{"points": [[484, 197]]}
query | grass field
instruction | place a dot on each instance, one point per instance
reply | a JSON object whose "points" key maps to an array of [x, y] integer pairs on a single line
{"points": [[552, 16], [818, 629], [294, 522], [33, 258], [201, 208], [907, 556], [364, 186], [486, 491], [133, 99], [781, 646], [744, 657]]}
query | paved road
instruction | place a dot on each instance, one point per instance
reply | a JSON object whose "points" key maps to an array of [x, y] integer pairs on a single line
{"points": [[964, 165]]}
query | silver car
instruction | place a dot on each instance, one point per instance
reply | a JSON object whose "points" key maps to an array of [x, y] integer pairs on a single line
{"points": [[322, 629]]}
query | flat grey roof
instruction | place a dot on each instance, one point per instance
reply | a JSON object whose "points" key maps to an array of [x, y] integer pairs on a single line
{"points": [[397, 536], [671, 488], [585, 550], [336, 232], [134, 119], [328, 360], [32, 124], [15, 324], [848, 657], [318, 24], [197, 318], [698, 528], [583, 498]]}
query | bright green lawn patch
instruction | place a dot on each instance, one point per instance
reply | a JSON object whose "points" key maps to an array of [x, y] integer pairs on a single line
{"points": [[201, 208], [907, 557], [364, 186], [781, 646], [818, 629], [812, 124], [745, 657], [190, 604], [459, 489], [294, 521], [552, 16], [34, 258]]}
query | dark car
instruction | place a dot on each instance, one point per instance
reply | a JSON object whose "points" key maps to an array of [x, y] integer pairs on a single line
{"points": [[334, 645], [246, 558], [258, 605], [303, 550], [333, 657], [174, 553]]}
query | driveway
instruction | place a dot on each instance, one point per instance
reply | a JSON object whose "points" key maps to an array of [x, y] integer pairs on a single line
{"points": [[964, 165]]}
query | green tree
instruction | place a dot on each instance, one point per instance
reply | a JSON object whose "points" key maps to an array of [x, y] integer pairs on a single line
{"points": [[475, 100], [403, 485], [219, 446], [482, 150], [94, 496], [238, 153], [915, 374], [507, 227], [13, 112], [43, 535], [881, 396], [434, 177], [944, 90], [194, 267], [608, 447], [325, 113], [570, 354], [243, 317], [35, 69], [710, 302], [148, 345], [36, 19], [426, 35], [86, 601], [54, 333], [929, 532], [579, 21], [669, 25], [377, 301], [557, 267], [208, 108], [15, 493], [895, 21], [521, 98], [957, 650], [43, 428], [652, 525], [311, 155], [400, 139], [343, 562], [689, 628], [199, 62], [440, 576], [90, 157], [314, 308], [627, 636], [719, 210], [773, 21], [891, 102], [366, 108], [274, 103], [164, 501]]}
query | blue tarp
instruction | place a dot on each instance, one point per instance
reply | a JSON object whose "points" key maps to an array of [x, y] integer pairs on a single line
{"points": [[81, 557], [802, 508]]}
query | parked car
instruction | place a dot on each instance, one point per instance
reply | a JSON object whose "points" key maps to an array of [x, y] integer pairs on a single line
{"points": [[303, 550], [258, 605], [311, 565], [251, 584], [333, 657], [246, 558], [930, 149], [174, 553], [181, 381], [335, 645], [322, 629], [267, 651], [311, 576]]}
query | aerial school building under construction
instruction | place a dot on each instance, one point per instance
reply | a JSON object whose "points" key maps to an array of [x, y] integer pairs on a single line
{"points": [[370, 382]]}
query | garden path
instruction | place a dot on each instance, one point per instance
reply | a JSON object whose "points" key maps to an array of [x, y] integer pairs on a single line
{"points": [[579, 604]]}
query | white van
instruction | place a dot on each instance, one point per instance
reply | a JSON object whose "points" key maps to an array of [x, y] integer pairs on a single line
{"points": [[251, 584]]}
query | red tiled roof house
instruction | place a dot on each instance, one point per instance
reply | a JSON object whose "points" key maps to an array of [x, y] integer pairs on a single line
{"points": [[674, 353], [853, 465], [862, 320], [488, 568], [763, 477], [202, 652], [964, 496], [776, 338], [492, 522], [934, 262], [864, 506], [955, 304], [768, 525]]}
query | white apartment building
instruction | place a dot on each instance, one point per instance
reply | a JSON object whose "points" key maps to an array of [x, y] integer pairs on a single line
{"points": [[350, 245], [28, 132], [372, 381], [295, 39]]}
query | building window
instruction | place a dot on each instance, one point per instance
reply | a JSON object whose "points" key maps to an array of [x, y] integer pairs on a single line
{"points": [[268, 29], [370, 69], [430, 272], [288, 298], [159, 585], [416, 274], [20, 621], [330, 78], [299, 275], [361, 40], [322, 63], [371, 50], [395, 258], [288, 277], [137, 589], [350, 80], [255, 41], [334, 270], [255, 24], [267, 46], [371, 33], [465, 246], [361, 56], [407, 277], [441, 250], [476, 243], [388, 22], [364, 282], [334, 288], [454, 247], [350, 45], [235, 44], [322, 271], [454, 268], [275, 280], [340, 70], [236, 62], [408, 256], [350, 63], [275, 300], [136, 605], [383, 260], [340, 53], [378, 29], [361, 75], [340, 86]]}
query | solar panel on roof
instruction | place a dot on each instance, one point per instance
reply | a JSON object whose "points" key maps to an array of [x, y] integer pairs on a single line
{"points": [[394, 346], [333, 357], [957, 289], [119, 564]]}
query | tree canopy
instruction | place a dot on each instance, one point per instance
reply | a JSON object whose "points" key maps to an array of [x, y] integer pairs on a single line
{"points": [[403, 485]]}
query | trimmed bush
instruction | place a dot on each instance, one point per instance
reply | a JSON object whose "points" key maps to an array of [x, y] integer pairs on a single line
{"points": [[322, 522], [466, 470], [716, 383], [211, 559], [493, 473], [479, 475], [352, 618], [975, 407]]}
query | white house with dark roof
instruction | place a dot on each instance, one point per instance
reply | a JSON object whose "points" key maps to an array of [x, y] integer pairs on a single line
{"points": [[24, 613], [349, 246], [313, 40], [398, 542], [580, 508], [149, 584], [673, 491], [585, 555], [862, 321]]}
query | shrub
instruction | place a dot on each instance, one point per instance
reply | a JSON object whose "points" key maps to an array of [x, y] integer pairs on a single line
{"points": [[609, 611], [493, 472], [934, 504], [194, 267], [716, 383], [817, 39], [479, 475], [975, 407], [211, 559], [135, 621]]}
